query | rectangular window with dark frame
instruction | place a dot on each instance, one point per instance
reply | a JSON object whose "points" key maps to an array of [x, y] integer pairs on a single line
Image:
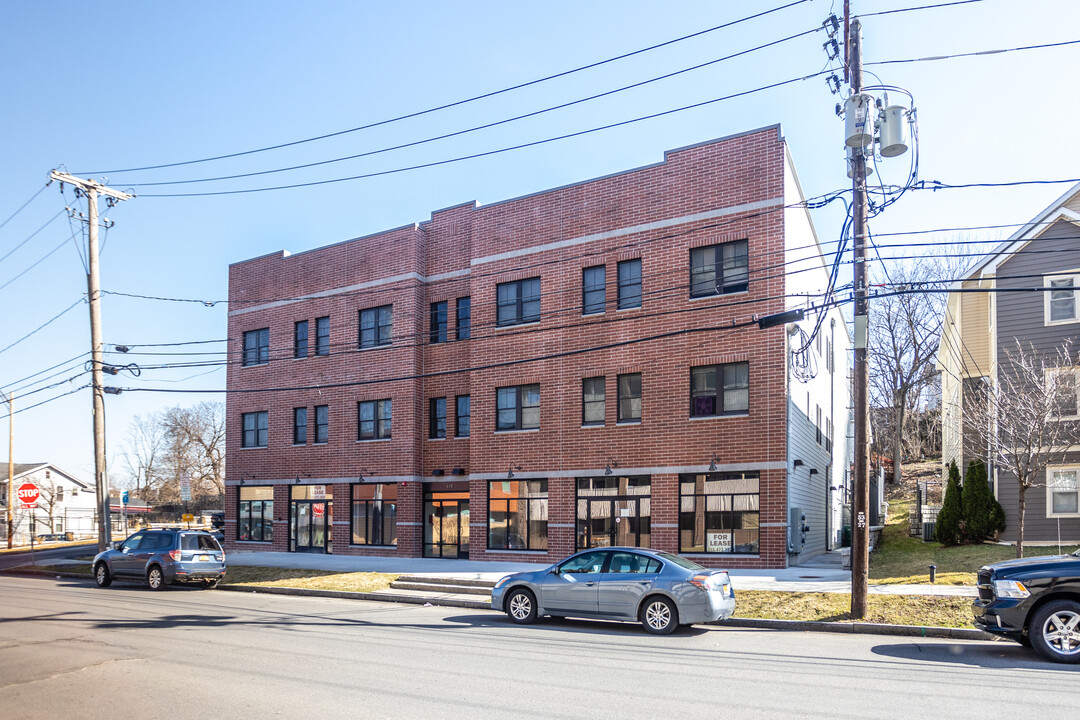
{"points": [[593, 290], [517, 408], [374, 514], [720, 390], [438, 322], [719, 513], [322, 336], [376, 325], [255, 429], [817, 427], [256, 347], [255, 513], [630, 398], [299, 426], [518, 515], [593, 401], [464, 318], [300, 339], [437, 418], [629, 284], [518, 302], [719, 269], [463, 416], [322, 424], [373, 419]]}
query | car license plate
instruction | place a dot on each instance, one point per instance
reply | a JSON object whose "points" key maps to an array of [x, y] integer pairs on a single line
{"points": [[203, 558]]}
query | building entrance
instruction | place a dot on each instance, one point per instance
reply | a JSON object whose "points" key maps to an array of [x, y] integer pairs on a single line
{"points": [[311, 514], [446, 521]]}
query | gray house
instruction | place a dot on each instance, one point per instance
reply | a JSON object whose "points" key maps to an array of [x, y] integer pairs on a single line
{"points": [[981, 329]]}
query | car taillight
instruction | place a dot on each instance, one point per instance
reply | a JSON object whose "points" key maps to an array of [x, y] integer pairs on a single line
{"points": [[702, 581], [715, 581], [175, 555]]}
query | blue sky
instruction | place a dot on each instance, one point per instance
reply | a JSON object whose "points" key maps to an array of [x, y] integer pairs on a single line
{"points": [[130, 84]]}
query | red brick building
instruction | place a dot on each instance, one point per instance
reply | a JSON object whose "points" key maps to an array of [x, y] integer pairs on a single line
{"points": [[573, 368]]}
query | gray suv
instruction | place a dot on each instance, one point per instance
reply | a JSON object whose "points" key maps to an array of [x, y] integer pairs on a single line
{"points": [[162, 557]]}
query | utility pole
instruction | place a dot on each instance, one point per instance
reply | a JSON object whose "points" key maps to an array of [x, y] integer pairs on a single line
{"points": [[10, 399], [92, 190], [860, 532]]}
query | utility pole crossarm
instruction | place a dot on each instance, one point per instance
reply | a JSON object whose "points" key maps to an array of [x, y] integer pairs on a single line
{"points": [[87, 184]]}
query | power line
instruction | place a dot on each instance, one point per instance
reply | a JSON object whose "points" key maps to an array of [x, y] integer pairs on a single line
{"points": [[40, 372], [40, 260], [33, 234], [45, 324], [44, 402], [457, 102], [921, 7], [23, 206], [935, 58]]}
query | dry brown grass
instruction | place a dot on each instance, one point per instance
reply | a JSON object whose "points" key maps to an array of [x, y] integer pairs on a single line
{"points": [[925, 611], [307, 579]]}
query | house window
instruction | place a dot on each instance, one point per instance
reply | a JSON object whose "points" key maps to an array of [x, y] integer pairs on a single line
{"points": [[630, 398], [255, 513], [719, 513], [518, 302], [593, 405], [630, 284], [719, 269], [464, 318], [463, 416], [374, 419], [257, 347], [322, 424], [254, 424], [59, 493], [1064, 386], [817, 426], [374, 514], [322, 336], [438, 322], [593, 297], [518, 515], [375, 326], [1063, 491], [1061, 302], [517, 408], [299, 426], [828, 434], [437, 418], [300, 339], [719, 390]]}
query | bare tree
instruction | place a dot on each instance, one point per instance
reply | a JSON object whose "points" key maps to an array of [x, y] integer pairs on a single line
{"points": [[144, 450], [1019, 420], [197, 440]]}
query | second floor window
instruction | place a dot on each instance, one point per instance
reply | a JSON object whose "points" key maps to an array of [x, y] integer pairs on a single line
{"points": [[463, 418], [300, 339], [518, 302], [517, 408], [375, 326], [374, 420], [300, 426], [437, 417], [593, 295], [256, 347], [322, 424], [438, 322], [630, 398], [593, 406], [1063, 384], [322, 336], [719, 269], [464, 318], [255, 429], [630, 284], [719, 390], [1062, 300]]}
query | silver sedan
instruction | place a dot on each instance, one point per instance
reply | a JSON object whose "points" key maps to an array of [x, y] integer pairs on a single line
{"points": [[658, 589]]}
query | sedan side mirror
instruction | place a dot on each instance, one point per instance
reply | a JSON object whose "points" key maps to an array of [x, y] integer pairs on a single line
{"points": [[553, 571]]}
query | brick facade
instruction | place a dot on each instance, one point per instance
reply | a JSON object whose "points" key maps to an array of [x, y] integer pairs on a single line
{"points": [[716, 192]]}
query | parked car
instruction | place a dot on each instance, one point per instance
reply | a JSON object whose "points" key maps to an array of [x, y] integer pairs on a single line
{"points": [[217, 520], [162, 557], [1034, 601], [658, 589]]}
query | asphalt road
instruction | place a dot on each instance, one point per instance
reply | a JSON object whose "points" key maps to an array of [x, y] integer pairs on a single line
{"points": [[12, 559], [70, 650]]}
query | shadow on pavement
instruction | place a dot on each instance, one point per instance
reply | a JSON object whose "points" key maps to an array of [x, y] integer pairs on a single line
{"points": [[976, 654]]}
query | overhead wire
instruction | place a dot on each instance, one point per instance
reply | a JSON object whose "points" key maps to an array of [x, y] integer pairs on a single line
{"points": [[23, 206], [32, 235], [45, 324]]}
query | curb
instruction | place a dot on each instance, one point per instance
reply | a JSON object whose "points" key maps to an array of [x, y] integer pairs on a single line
{"points": [[860, 628]]}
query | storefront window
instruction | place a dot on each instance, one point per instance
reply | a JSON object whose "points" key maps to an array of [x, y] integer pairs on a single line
{"points": [[614, 510], [374, 514], [518, 515], [719, 513], [255, 519]]}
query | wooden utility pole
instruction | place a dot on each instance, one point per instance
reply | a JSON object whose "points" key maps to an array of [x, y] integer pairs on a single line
{"points": [[92, 190], [860, 532], [10, 399]]}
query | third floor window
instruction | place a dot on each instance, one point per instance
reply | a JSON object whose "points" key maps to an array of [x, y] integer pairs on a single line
{"points": [[464, 318], [518, 302], [719, 269], [300, 339], [593, 291], [375, 326], [322, 336], [438, 322], [629, 284], [257, 347]]}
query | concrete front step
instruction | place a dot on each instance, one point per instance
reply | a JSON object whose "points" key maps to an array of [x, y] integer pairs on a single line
{"points": [[439, 587]]}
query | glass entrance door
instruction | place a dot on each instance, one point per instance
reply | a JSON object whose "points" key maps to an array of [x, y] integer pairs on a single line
{"points": [[311, 513], [446, 524], [614, 511]]}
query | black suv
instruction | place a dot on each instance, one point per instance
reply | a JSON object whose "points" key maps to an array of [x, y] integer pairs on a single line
{"points": [[161, 557], [1034, 601]]}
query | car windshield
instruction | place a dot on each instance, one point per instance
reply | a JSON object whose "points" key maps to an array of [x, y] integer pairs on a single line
{"points": [[199, 542], [680, 561]]}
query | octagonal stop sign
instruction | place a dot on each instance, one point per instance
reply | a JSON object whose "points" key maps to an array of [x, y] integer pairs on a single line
{"points": [[28, 495]]}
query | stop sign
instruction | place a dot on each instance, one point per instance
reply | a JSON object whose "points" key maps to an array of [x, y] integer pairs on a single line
{"points": [[28, 495]]}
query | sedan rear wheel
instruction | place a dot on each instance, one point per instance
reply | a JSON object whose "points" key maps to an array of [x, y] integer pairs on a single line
{"points": [[1055, 631], [659, 616], [521, 607], [155, 578], [102, 576]]}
